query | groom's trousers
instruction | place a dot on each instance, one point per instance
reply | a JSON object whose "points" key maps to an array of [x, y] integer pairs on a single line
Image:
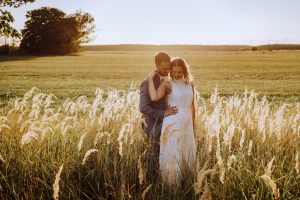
{"points": [[154, 138]]}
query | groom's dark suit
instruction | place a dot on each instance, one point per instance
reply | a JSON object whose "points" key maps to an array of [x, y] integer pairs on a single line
{"points": [[153, 112]]}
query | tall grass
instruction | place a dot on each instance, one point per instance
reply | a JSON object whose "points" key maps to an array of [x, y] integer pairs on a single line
{"points": [[247, 148]]}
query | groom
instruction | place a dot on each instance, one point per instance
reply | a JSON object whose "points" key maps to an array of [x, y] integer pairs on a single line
{"points": [[154, 111]]}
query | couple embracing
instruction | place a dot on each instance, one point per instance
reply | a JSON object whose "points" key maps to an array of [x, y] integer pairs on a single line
{"points": [[167, 104]]}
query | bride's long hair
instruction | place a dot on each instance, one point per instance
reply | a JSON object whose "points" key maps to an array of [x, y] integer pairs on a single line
{"points": [[180, 62]]}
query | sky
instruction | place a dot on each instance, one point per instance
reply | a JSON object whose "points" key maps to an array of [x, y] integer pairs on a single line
{"points": [[207, 22]]}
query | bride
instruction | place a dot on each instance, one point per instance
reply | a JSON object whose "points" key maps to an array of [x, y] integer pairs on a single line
{"points": [[177, 142]]}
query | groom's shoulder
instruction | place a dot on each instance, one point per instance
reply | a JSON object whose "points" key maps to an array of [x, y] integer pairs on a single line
{"points": [[145, 81]]}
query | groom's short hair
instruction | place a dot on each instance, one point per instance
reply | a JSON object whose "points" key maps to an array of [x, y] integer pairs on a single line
{"points": [[162, 57]]}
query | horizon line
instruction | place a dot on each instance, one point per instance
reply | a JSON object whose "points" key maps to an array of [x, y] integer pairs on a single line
{"points": [[190, 44]]}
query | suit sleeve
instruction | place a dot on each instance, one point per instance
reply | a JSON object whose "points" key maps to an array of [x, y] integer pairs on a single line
{"points": [[145, 103]]}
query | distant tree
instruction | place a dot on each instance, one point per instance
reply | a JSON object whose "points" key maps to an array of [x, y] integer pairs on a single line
{"points": [[254, 49], [4, 49], [50, 31], [6, 18]]}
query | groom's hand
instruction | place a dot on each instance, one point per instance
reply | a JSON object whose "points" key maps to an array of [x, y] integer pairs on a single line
{"points": [[171, 111]]}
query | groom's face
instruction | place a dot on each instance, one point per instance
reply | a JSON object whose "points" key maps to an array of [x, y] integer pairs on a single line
{"points": [[163, 68]]}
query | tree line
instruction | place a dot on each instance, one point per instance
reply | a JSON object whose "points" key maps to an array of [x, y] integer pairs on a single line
{"points": [[145, 47], [47, 30]]}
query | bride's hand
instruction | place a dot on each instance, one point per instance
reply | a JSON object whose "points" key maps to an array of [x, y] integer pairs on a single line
{"points": [[152, 74]]}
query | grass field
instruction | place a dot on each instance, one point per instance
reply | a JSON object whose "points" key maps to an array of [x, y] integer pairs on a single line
{"points": [[89, 144], [275, 73], [80, 149]]}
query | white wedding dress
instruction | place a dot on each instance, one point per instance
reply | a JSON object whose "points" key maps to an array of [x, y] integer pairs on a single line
{"points": [[177, 141]]}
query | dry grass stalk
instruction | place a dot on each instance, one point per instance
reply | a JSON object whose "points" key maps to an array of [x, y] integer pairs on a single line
{"points": [[81, 141], [56, 183], [231, 160], [141, 171], [87, 154], [272, 184], [297, 159], [250, 148], [206, 193], [269, 167], [200, 177], [2, 159], [146, 191]]}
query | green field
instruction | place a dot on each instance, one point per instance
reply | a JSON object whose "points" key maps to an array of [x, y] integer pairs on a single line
{"points": [[275, 74], [94, 148]]}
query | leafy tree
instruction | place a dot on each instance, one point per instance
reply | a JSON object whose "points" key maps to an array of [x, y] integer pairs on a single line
{"points": [[6, 18], [50, 31]]}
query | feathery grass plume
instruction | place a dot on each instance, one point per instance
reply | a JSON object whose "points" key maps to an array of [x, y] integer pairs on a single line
{"points": [[28, 122], [227, 138], [4, 126], [27, 137], [87, 154], [295, 123], [98, 101], [125, 127], [200, 177], [45, 130], [49, 100], [248, 121], [2, 159], [272, 184], [66, 128], [63, 126], [97, 137], [221, 167], [146, 191], [29, 94], [215, 119], [262, 116], [213, 126], [231, 160], [206, 193], [56, 183], [242, 138], [47, 112], [280, 119], [250, 148], [297, 162], [121, 148], [100, 135], [3, 119], [214, 97], [220, 162], [81, 141], [269, 167], [141, 171]]}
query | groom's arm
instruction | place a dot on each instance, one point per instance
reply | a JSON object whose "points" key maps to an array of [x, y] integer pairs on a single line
{"points": [[145, 103]]}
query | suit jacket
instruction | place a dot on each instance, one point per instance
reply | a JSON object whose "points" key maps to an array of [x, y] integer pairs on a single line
{"points": [[153, 111]]}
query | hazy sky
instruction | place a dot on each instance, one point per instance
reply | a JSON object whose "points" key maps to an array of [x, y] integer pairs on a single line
{"points": [[184, 22]]}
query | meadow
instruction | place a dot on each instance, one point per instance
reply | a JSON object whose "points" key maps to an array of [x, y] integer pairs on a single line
{"points": [[79, 136], [275, 74]]}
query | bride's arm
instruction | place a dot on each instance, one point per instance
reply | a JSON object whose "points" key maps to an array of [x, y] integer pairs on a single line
{"points": [[161, 91]]}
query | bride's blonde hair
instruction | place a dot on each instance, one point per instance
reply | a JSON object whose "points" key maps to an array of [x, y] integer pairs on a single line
{"points": [[180, 62]]}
